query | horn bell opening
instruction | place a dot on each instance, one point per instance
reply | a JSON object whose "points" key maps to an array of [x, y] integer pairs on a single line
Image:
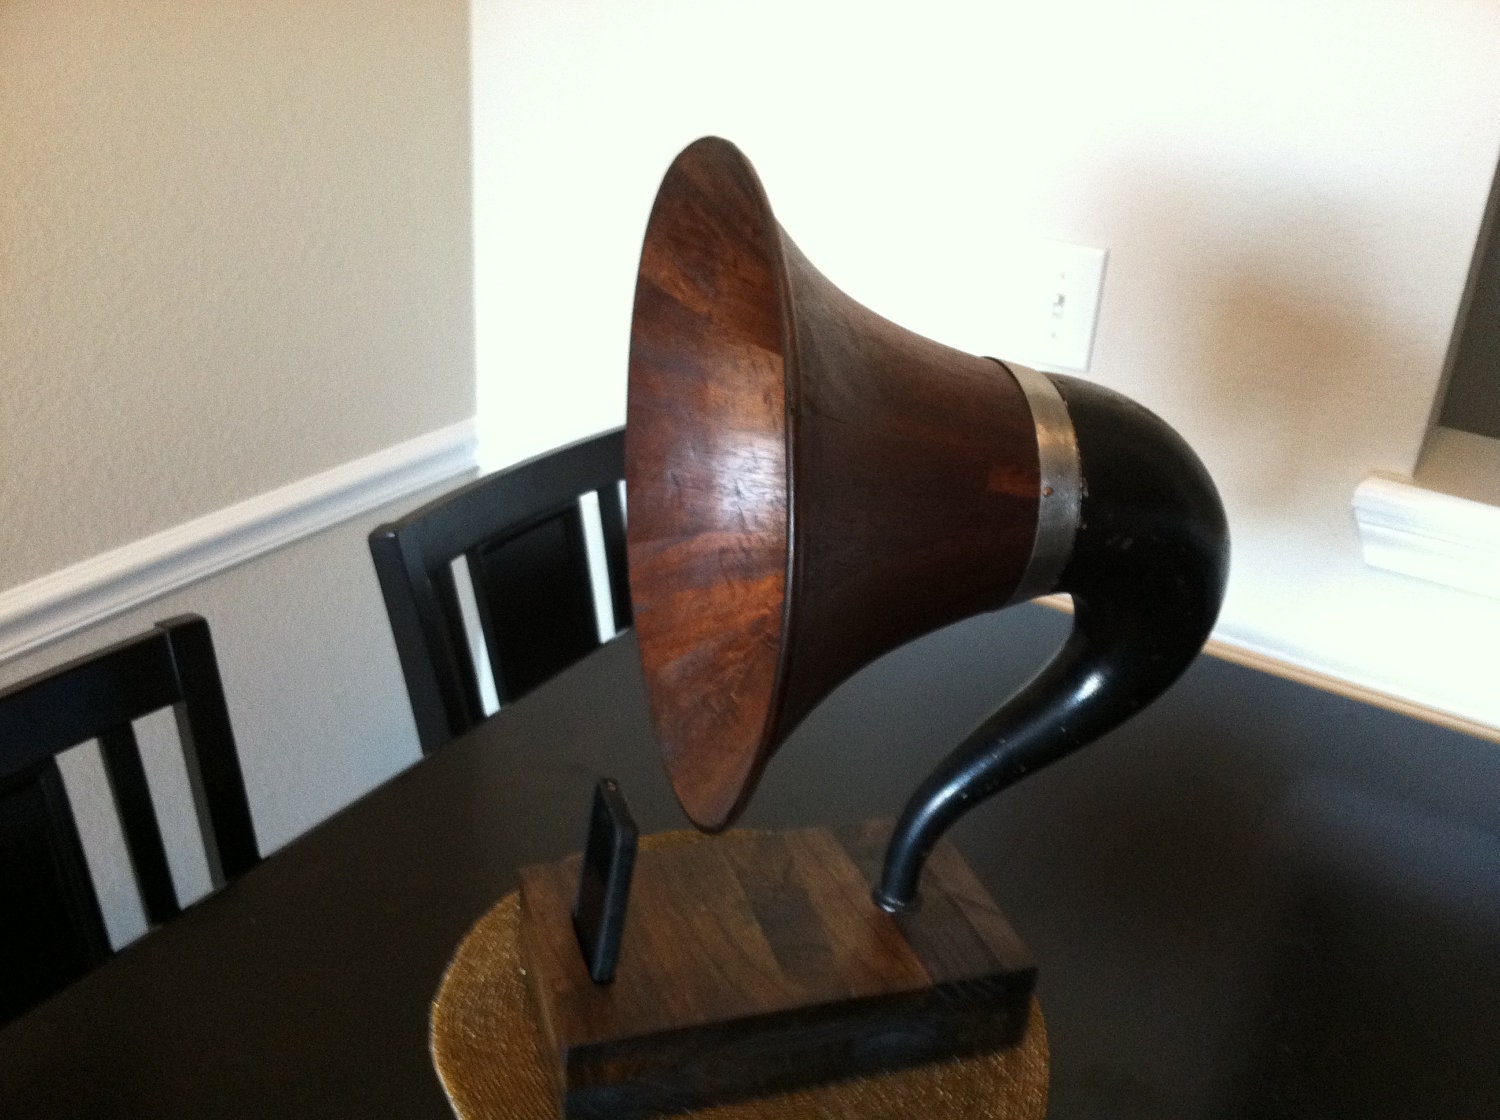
{"points": [[708, 476]]}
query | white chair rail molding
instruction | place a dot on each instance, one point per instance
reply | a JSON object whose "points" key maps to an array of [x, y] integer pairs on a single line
{"points": [[1406, 527]]}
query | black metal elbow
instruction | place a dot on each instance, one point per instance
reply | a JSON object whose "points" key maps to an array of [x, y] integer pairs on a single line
{"points": [[1147, 571]]}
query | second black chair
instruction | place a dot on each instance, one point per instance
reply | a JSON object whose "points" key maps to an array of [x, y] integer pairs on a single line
{"points": [[521, 533], [52, 930]]}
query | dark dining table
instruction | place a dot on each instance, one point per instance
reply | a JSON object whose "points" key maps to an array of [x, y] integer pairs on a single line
{"points": [[1135, 871], [303, 988]]}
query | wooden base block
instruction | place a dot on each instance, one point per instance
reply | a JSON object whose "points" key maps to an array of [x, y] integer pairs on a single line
{"points": [[756, 963]]}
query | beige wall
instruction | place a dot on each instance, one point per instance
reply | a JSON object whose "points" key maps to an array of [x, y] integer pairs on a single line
{"points": [[234, 252]]}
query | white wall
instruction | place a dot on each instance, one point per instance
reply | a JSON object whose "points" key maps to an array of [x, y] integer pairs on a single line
{"points": [[1290, 193], [235, 254]]}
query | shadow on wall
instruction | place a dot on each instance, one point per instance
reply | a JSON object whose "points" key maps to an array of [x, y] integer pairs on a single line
{"points": [[1298, 375], [1264, 332]]}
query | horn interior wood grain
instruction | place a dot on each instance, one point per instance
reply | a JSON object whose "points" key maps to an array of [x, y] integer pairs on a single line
{"points": [[809, 485], [707, 478]]}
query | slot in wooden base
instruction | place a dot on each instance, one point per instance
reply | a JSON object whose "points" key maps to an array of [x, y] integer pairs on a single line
{"points": [[756, 962]]}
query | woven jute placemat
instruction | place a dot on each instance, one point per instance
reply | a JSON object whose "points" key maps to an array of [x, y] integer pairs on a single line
{"points": [[488, 1054]]}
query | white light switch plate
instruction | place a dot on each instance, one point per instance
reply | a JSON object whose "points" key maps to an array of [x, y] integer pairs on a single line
{"points": [[1050, 304]]}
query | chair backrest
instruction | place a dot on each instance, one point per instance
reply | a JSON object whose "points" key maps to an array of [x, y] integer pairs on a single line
{"points": [[520, 532], [53, 931]]}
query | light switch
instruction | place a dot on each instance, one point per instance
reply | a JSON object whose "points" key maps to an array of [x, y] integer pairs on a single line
{"points": [[1050, 304]]}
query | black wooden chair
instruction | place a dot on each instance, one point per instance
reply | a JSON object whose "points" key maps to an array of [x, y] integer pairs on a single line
{"points": [[52, 930], [521, 533]]}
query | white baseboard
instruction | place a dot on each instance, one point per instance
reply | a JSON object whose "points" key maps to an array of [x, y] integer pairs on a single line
{"points": [[1278, 664], [84, 594]]}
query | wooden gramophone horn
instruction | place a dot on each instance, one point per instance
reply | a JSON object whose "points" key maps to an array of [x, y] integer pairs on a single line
{"points": [[810, 486]]}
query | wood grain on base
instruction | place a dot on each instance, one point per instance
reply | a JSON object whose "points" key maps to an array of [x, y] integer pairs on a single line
{"points": [[756, 963]]}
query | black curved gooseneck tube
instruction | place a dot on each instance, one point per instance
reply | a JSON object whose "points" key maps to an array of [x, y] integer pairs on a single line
{"points": [[1147, 571]]}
